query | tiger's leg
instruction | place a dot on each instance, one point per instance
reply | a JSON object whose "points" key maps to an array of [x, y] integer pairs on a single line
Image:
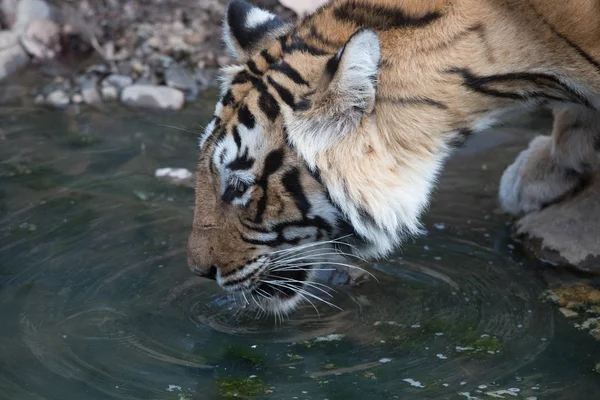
{"points": [[553, 167]]}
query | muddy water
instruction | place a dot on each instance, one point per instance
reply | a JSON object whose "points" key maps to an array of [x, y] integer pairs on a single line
{"points": [[96, 301]]}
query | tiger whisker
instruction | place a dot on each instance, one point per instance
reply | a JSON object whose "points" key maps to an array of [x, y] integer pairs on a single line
{"points": [[298, 291], [312, 244], [306, 284], [334, 263]]}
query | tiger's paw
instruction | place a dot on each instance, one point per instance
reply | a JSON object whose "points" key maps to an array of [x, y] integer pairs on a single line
{"points": [[535, 180]]}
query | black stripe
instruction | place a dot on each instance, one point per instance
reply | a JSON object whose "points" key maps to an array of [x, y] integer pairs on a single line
{"points": [[273, 162], [285, 94], [332, 65], [253, 228], [299, 45], [291, 183], [319, 36], [290, 72], [379, 17], [243, 77], [268, 58], [253, 68], [481, 84], [268, 105], [236, 137], [228, 99], [409, 101], [461, 137], [272, 243], [242, 162], [246, 118]]}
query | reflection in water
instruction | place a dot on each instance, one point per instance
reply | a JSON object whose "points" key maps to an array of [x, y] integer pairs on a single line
{"points": [[96, 301]]}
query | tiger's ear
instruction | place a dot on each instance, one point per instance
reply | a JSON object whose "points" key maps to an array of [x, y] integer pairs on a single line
{"points": [[248, 28], [353, 71]]}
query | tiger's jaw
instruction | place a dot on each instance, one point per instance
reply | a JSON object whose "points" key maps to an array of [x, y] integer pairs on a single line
{"points": [[276, 290]]}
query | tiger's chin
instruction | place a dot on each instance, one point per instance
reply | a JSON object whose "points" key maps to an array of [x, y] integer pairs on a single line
{"points": [[280, 292]]}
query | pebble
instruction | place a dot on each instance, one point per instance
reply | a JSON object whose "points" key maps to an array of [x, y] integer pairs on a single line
{"points": [[120, 82], [58, 99], [413, 383], [175, 173], [161, 97], [109, 92], [89, 89], [77, 98]]}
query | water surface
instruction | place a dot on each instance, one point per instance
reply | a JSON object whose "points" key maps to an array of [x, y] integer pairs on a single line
{"points": [[96, 301]]}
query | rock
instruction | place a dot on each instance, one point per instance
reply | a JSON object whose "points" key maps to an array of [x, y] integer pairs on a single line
{"points": [[147, 78], [28, 11], [109, 92], [12, 55], [58, 99], [178, 78], [162, 97], [567, 232], [89, 89], [41, 39], [177, 176], [77, 98], [120, 82]]}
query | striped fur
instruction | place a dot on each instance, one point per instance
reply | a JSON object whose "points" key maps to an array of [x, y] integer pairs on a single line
{"points": [[341, 123]]}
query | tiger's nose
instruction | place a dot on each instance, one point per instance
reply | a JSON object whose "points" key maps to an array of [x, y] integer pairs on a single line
{"points": [[199, 267], [211, 273]]}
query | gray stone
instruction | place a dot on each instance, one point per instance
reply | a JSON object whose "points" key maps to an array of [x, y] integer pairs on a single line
{"points": [[28, 11], [58, 99], [89, 89], [42, 39], [109, 92], [119, 82], [161, 97], [178, 78], [12, 55], [567, 232]]}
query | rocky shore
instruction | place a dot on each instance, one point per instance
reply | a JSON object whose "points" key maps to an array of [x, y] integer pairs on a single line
{"points": [[152, 53]]}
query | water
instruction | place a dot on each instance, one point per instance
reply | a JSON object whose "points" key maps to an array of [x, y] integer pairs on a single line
{"points": [[96, 301]]}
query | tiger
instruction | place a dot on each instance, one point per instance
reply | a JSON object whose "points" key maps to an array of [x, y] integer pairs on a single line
{"points": [[330, 132]]}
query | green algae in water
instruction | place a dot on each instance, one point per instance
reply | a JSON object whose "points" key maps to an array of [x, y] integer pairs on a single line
{"points": [[484, 346], [241, 388], [248, 356], [82, 141], [34, 177], [597, 368], [295, 357]]}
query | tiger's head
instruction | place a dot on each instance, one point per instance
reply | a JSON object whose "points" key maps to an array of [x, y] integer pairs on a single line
{"points": [[275, 200]]}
